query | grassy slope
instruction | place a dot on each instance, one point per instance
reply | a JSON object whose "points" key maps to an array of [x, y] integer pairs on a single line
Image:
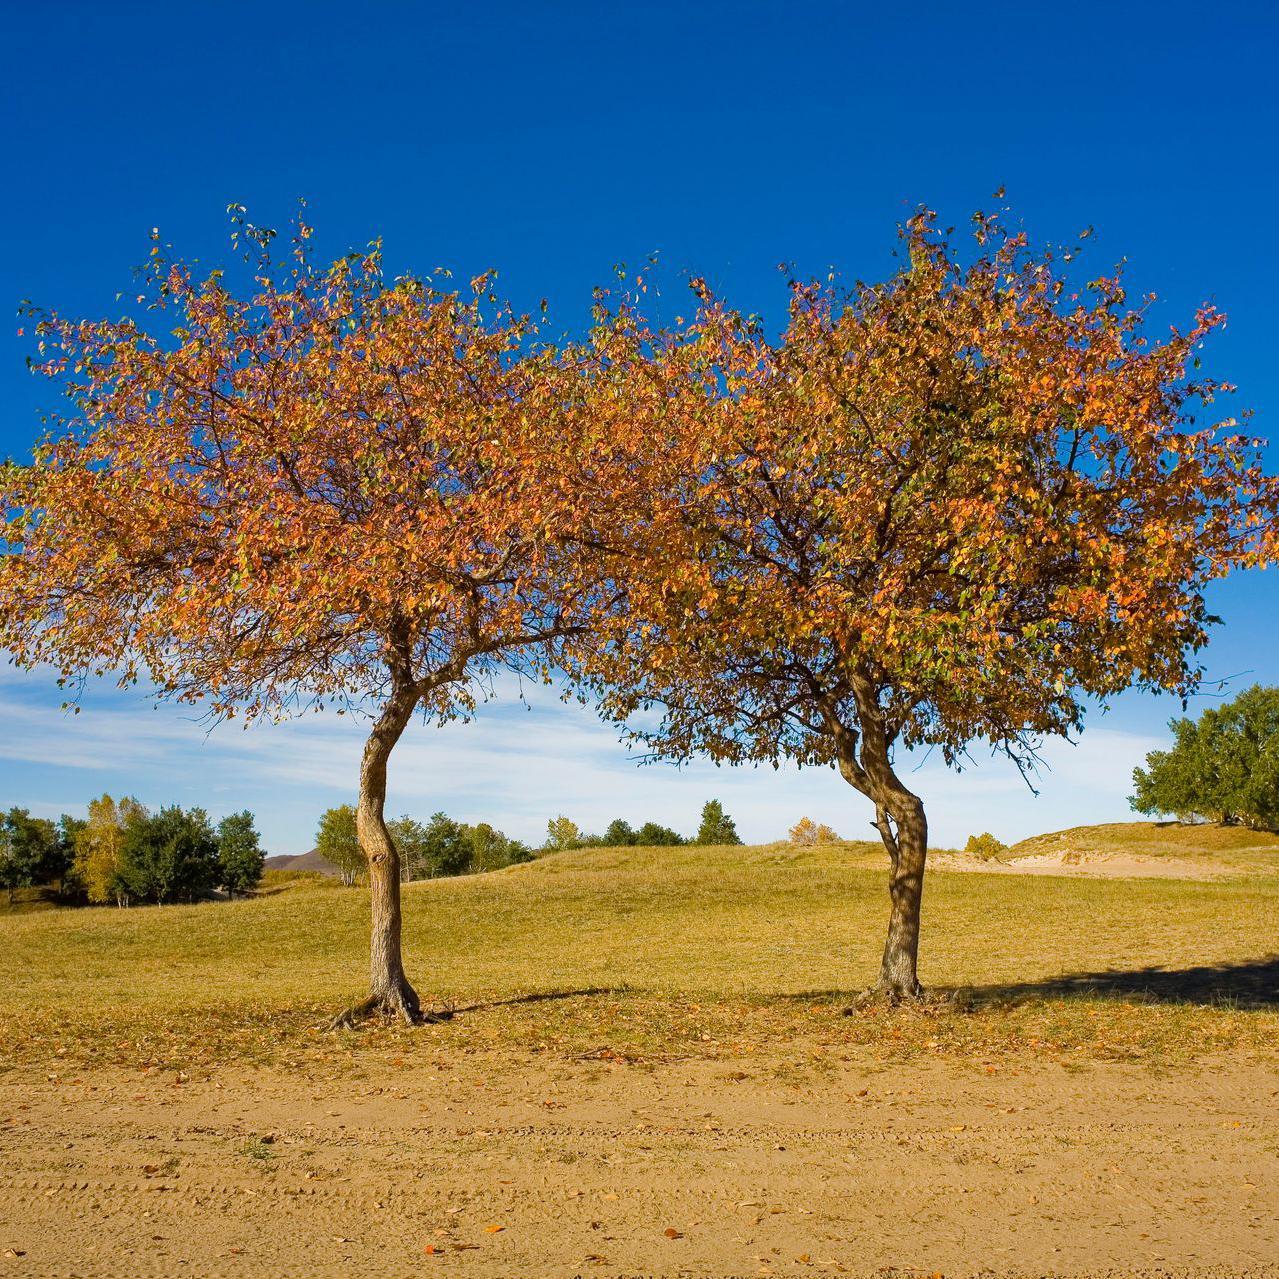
{"points": [[1228, 846], [657, 950]]}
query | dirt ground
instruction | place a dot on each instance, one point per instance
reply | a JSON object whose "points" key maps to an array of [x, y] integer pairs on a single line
{"points": [[1086, 865], [489, 1165]]}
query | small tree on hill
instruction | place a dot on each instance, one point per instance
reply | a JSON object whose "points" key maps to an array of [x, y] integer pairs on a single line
{"points": [[562, 833], [717, 826], [618, 834], [240, 855], [808, 834], [327, 488], [1223, 767], [655, 835], [942, 509], [338, 842]]}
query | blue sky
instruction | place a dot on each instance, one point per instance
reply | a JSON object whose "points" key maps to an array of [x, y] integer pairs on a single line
{"points": [[551, 141]]}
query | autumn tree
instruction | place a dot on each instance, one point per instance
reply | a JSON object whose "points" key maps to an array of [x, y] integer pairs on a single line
{"points": [[941, 510], [562, 833], [315, 488], [98, 845], [807, 833]]}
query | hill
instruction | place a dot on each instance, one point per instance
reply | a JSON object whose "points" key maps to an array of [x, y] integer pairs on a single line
{"points": [[1134, 848], [663, 950], [311, 861]]}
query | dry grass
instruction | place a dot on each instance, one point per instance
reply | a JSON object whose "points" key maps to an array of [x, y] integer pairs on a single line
{"points": [[641, 953], [1232, 847]]}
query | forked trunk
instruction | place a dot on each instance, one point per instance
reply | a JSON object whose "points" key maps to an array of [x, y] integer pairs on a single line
{"points": [[389, 988], [865, 762]]}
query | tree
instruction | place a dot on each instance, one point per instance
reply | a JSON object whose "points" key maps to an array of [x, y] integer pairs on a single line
{"points": [[562, 833], [618, 834], [28, 848], [447, 848], [63, 867], [323, 489], [940, 510], [410, 840], [1224, 767], [808, 834], [654, 835], [98, 845], [338, 842], [493, 850], [168, 856], [240, 855], [717, 826]]}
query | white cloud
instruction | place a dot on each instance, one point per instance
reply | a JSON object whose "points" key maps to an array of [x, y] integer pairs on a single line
{"points": [[512, 765]]}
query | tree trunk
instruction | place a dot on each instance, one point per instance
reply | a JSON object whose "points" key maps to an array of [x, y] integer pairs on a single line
{"points": [[907, 852], [865, 762], [389, 989]]}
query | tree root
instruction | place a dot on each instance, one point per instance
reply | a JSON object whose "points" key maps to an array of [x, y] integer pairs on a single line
{"points": [[394, 1005], [890, 996]]}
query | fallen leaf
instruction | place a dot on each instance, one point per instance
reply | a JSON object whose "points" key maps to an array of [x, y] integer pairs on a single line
{"points": [[493, 1230]]}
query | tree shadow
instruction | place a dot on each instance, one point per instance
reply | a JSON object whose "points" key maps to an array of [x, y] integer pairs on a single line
{"points": [[1251, 983], [536, 997]]}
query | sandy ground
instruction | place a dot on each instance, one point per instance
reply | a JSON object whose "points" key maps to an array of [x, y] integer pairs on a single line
{"points": [[1087, 865], [502, 1166]]}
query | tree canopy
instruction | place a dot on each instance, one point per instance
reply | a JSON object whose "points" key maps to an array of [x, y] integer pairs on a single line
{"points": [[326, 488], [945, 509], [1223, 767]]}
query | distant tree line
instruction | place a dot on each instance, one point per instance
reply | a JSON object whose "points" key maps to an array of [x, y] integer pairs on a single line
{"points": [[427, 850], [123, 853], [443, 846], [716, 827], [1223, 767]]}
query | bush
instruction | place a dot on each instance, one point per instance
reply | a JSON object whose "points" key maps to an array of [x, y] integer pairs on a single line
{"points": [[985, 847]]}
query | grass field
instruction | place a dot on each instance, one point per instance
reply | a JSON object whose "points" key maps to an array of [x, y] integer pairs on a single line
{"points": [[654, 953]]}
